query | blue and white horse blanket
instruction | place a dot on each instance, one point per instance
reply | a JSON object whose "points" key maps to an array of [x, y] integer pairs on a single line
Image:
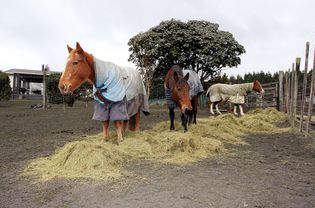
{"points": [[116, 83]]}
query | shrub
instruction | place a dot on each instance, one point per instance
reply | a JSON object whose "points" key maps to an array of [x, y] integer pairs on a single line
{"points": [[54, 95], [5, 88]]}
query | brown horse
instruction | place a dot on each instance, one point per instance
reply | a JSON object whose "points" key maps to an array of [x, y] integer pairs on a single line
{"points": [[177, 94], [234, 93], [111, 104]]}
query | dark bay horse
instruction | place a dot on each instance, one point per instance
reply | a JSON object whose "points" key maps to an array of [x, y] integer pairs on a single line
{"points": [[234, 93], [119, 92], [179, 94]]}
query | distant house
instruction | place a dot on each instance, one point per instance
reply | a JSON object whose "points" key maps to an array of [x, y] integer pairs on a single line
{"points": [[26, 83]]}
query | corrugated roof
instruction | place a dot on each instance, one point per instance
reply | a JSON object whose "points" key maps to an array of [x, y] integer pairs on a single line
{"points": [[28, 71]]}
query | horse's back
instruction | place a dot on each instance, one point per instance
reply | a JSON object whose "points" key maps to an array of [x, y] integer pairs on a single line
{"points": [[194, 83], [133, 82], [135, 91]]}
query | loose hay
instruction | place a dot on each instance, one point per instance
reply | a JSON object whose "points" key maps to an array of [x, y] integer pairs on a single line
{"points": [[92, 159]]}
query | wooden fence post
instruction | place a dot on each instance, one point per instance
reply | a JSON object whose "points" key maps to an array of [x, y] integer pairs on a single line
{"points": [[286, 92], [281, 75], [296, 80], [311, 100], [304, 86], [289, 93], [44, 86], [292, 94]]}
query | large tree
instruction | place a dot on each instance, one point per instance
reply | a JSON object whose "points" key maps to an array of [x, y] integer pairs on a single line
{"points": [[198, 45]]}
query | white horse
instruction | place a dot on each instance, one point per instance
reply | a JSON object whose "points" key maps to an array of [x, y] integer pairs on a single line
{"points": [[233, 93]]}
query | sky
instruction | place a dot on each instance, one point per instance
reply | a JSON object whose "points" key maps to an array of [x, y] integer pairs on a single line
{"points": [[36, 32]]}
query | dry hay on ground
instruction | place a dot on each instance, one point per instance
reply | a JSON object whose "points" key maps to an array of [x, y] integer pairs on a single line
{"points": [[92, 159]]}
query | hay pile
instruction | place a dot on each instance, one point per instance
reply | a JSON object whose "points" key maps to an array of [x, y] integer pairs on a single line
{"points": [[92, 159]]}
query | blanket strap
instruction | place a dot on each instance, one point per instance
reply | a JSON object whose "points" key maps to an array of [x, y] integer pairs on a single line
{"points": [[99, 95]]}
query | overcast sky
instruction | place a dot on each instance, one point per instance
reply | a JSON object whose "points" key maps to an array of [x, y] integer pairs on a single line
{"points": [[35, 32]]}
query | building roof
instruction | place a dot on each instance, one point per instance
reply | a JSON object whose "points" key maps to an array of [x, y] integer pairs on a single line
{"points": [[28, 71]]}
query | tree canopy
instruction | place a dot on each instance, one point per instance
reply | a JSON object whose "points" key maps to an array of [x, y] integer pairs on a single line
{"points": [[198, 45]]}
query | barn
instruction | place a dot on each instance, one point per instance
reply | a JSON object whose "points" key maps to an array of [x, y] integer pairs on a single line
{"points": [[26, 83]]}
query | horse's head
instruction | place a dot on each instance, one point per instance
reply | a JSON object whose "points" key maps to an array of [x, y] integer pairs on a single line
{"points": [[181, 93], [77, 70], [258, 88]]}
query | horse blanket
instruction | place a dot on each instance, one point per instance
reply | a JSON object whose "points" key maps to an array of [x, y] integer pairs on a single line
{"points": [[118, 83], [234, 93], [194, 84]]}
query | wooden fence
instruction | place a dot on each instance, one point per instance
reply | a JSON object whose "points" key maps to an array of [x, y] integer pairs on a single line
{"points": [[297, 99], [292, 94]]}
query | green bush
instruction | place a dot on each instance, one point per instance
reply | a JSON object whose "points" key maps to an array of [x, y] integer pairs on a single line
{"points": [[5, 88], [54, 95]]}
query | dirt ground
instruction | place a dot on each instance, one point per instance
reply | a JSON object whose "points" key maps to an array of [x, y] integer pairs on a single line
{"points": [[272, 171]]}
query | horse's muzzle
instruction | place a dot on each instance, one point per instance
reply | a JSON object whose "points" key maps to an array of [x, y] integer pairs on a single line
{"points": [[185, 109], [262, 91], [64, 88]]}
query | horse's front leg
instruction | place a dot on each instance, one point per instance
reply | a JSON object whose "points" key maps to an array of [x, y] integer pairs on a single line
{"points": [[190, 117], [184, 121], [241, 109], [105, 131], [172, 116], [119, 127]]}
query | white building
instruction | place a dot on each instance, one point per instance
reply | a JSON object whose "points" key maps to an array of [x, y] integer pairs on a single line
{"points": [[26, 83]]}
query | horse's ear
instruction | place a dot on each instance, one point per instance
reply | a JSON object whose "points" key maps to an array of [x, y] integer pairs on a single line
{"points": [[69, 49], [176, 76], [79, 49], [186, 76]]}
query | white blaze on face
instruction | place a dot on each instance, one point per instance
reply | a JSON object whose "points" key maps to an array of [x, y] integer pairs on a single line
{"points": [[262, 90], [67, 62]]}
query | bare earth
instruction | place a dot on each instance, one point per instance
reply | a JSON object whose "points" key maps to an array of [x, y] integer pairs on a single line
{"points": [[272, 171]]}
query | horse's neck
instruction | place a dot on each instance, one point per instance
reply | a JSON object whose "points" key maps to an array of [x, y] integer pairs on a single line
{"points": [[248, 86], [90, 60]]}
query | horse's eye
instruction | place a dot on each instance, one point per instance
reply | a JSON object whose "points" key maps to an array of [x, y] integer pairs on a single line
{"points": [[179, 89], [75, 62]]}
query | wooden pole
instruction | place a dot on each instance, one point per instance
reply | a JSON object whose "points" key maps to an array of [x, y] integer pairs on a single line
{"points": [[281, 75], [311, 100], [286, 96], [304, 86], [291, 94], [296, 80], [44, 86]]}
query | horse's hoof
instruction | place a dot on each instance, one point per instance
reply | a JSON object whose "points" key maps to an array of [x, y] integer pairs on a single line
{"points": [[119, 141], [104, 139], [146, 113]]}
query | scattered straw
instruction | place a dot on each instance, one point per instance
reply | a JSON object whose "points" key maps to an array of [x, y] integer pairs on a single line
{"points": [[92, 159]]}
